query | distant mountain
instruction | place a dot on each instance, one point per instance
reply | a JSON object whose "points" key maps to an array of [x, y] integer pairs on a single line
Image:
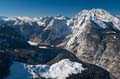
{"points": [[92, 35], [39, 29]]}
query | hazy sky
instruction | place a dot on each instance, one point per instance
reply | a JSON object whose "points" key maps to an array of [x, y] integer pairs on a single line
{"points": [[54, 7]]}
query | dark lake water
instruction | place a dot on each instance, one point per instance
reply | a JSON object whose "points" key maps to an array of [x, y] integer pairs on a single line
{"points": [[17, 71]]}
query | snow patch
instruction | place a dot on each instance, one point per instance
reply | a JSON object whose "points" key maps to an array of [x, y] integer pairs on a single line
{"points": [[59, 70], [32, 43]]}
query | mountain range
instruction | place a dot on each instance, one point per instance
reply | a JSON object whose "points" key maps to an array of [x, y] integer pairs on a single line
{"points": [[92, 35]]}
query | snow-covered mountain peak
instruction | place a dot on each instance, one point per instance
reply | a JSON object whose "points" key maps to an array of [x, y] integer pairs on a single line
{"points": [[99, 16], [24, 18], [90, 22], [21, 18], [60, 17], [93, 13]]}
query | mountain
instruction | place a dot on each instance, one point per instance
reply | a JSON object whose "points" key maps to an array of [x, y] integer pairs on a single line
{"points": [[39, 29], [95, 39], [92, 35]]}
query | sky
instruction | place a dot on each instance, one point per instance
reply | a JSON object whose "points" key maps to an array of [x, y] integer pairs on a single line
{"points": [[35, 8]]}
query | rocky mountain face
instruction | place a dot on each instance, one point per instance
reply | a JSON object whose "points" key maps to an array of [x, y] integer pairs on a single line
{"points": [[92, 35], [96, 39]]}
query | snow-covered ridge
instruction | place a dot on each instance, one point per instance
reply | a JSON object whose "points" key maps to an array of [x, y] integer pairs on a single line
{"points": [[99, 16], [59, 70]]}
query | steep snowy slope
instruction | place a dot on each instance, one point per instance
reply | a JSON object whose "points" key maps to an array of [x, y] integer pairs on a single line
{"points": [[95, 39], [97, 19]]}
